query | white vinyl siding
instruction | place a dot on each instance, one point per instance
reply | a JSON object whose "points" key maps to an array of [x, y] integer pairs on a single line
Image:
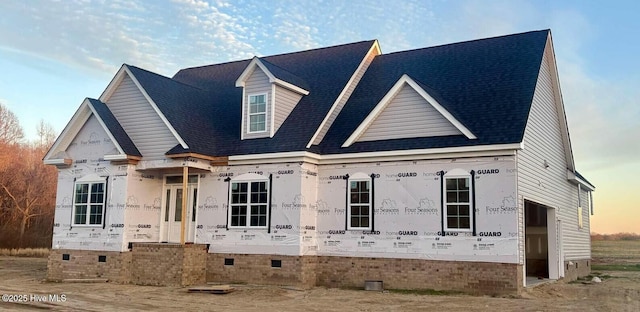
{"points": [[549, 186], [408, 115], [333, 114], [142, 123], [285, 101], [257, 83]]}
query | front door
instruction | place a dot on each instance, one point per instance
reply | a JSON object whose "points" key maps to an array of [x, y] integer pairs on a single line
{"points": [[172, 212]]}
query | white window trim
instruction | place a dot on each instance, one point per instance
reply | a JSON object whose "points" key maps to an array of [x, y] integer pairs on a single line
{"points": [[248, 178], [90, 180], [266, 110], [458, 174], [359, 177]]}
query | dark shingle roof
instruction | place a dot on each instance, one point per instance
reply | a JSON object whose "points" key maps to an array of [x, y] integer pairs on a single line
{"points": [[115, 128], [184, 106], [284, 75], [326, 71], [487, 84]]}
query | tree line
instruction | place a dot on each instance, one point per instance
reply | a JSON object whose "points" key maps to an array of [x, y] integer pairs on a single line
{"points": [[27, 186], [615, 237]]}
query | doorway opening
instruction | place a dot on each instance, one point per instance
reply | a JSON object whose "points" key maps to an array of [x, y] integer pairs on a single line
{"points": [[172, 209], [536, 240]]}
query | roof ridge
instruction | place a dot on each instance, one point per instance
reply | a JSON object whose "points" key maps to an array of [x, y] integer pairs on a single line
{"points": [[467, 41], [281, 54], [321, 48], [165, 77]]}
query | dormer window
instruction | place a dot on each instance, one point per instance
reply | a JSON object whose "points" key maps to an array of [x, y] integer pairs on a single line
{"points": [[269, 94], [257, 113]]}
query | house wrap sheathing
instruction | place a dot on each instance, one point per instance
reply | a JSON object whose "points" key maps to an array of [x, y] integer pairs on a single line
{"points": [[444, 168]]}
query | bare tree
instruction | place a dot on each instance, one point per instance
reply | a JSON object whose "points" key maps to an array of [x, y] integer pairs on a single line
{"points": [[46, 134], [10, 130], [27, 186]]}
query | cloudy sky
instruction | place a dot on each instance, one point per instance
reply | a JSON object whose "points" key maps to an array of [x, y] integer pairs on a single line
{"points": [[53, 54]]}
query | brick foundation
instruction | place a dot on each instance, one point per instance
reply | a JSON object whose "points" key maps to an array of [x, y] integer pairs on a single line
{"points": [[83, 264], [576, 268], [309, 271], [470, 277], [168, 264], [147, 264], [295, 271], [183, 265]]}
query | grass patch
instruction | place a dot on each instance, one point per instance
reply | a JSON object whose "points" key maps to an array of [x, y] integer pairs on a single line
{"points": [[25, 252], [599, 274], [616, 267], [589, 278], [424, 292]]}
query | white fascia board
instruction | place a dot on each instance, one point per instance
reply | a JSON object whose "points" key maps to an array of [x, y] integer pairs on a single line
{"points": [[290, 86], [566, 139], [440, 108], [106, 129], [249, 69], [243, 111], [446, 152], [405, 79], [55, 162], [429, 153], [70, 131], [283, 157], [571, 176], [113, 85], [255, 62], [156, 109], [375, 48], [115, 157], [272, 97]]}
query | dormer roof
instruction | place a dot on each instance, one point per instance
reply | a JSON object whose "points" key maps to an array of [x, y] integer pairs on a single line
{"points": [[276, 75]]}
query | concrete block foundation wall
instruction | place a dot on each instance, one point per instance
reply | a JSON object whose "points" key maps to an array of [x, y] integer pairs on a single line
{"points": [[85, 264], [576, 268]]}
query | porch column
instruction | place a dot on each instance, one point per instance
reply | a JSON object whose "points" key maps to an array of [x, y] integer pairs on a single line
{"points": [[185, 179]]}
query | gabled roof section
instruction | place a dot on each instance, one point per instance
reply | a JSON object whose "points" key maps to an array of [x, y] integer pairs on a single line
{"points": [[487, 85], [405, 80], [346, 92], [147, 82], [56, 154], [276, 75], [185, 107], [113, 128]]}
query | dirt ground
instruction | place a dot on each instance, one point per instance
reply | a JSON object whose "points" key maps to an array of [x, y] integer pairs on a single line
{"points": [[24, 276]]}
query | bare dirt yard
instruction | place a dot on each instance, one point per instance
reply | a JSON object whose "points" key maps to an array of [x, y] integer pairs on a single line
{"points": [[23, 278]]}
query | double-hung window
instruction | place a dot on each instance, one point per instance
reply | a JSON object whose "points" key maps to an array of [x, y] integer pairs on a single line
{"points": [[249, 203], [257, 113], [88, 202], [359, 205], [457, 200]]}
